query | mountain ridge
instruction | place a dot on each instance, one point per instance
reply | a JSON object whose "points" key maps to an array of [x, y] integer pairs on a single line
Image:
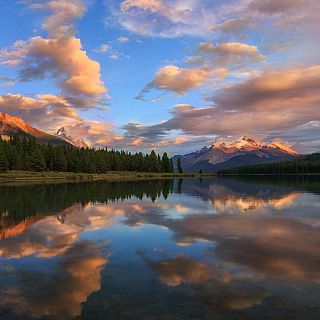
{"points": [[77, 142], [223, 155], [11, 125]]}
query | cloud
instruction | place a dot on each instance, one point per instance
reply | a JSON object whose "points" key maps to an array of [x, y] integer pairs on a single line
{"points": [[271, 7], [231, 52], [270, 102], [49, 112], [6, 82], [60, 57], [177, 80], [233, 25], [97, 133], [15, 55], [63, 59], [104, 48], [305, 137], [152, 5], [164, 18], [211, 63], [167, 18], [113, 54], [62, 14], [42, 109], [271, 90], [123, 39]]}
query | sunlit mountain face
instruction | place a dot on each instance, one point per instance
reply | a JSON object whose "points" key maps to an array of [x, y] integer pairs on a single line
{"points": [[243, 151], [75, 141], [171, 248], [163, 74], [10, 126]]}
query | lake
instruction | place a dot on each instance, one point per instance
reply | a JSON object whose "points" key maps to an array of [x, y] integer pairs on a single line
{"points": [[216, 248]]}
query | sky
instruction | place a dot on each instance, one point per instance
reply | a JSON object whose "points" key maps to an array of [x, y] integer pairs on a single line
{"points": [[161, 74]]}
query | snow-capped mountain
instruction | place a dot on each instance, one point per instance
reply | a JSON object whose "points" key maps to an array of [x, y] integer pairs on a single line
{"points": [[77, 142], [10, 125], [245, 150]]}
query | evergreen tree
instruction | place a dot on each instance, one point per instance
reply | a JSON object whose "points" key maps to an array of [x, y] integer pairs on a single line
{"points": [[26, 154], [60, 160], [38, 162], [301, 165], [153, 162], [179, 165], [2, 162], [166, 163]]}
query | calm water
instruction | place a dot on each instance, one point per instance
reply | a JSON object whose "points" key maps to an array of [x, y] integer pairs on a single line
{"points": [[183, 249]]}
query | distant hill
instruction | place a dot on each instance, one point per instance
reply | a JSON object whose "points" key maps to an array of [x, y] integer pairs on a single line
{"points": [[10, 126], [308, 164], [243, 151]]}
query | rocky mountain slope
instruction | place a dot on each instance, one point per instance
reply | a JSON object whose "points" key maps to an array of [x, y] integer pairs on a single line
{"points": [[10, 125], [77, 142], [222, 155]]}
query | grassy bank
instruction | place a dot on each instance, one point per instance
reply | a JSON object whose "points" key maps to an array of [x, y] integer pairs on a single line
{"points": [[56, 177], [266, 174]]}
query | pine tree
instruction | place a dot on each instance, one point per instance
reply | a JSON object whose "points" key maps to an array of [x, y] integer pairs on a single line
{"points": [[60, 160], [166, 163], [2, 162], [38, 162], [179, 165], [26, 154], [154, 163]]}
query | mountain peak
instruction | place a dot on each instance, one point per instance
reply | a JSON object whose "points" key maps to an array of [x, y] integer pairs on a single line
{"points": [[243, 143], [246, 143], [11, 125], [77, 142], [61, 130], [244, 150]]}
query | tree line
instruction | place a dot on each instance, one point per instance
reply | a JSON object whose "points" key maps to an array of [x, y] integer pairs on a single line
{"points": [[51, 199], [308, 164], [24, 153]]}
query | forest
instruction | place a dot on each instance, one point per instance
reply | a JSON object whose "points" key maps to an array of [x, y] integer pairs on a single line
{"points": [[308, 164], [24, 153], [34, 200]]}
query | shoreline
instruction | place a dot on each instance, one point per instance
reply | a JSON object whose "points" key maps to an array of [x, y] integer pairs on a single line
{"points": [[266, 174], [30, 177]]}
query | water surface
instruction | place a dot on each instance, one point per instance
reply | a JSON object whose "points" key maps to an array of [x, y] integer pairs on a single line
{"points": [[161, 249]]}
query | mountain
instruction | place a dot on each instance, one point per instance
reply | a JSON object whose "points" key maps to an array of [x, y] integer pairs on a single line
{"points": [[10, 125], [77, 142], [222, 155]]}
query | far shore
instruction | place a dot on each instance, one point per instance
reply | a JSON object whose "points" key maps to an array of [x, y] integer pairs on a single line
{"points": [[30, 177], [265, 174]]}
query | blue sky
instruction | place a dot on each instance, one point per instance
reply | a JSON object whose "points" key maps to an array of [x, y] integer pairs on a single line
{"points": [[163, 74]]}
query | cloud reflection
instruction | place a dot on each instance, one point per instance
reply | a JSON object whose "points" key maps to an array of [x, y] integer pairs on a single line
{"points": [[254, 237], [59, 292]]}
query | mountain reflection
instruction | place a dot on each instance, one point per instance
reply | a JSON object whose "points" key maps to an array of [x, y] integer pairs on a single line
{"points": [[230, 245]]}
